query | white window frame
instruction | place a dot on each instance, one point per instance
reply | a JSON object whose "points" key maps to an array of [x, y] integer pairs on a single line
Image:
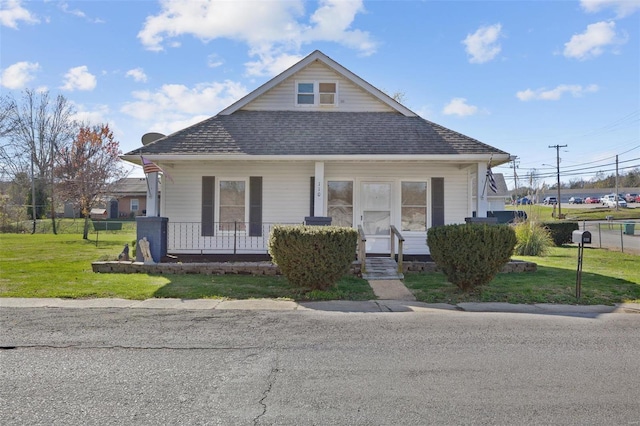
{"points": [[427, 195], [246, 203], [316, 93], [131, 203]]}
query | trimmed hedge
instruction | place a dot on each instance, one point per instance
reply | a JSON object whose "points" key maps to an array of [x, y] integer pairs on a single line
{"points": [[470, 255], [561, 231], [314, 257]]}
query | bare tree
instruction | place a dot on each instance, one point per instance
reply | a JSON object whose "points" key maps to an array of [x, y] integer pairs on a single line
{"points": [[34, 130], [88, 167]]}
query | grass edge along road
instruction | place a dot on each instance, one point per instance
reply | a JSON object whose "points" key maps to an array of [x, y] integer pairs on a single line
{"points": [[45, 265]]}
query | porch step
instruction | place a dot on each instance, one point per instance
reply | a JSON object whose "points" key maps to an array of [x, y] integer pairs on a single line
{"points": [[381, 268]]}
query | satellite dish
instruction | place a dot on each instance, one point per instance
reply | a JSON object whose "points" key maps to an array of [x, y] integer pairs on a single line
{"points": [[147, 138]]}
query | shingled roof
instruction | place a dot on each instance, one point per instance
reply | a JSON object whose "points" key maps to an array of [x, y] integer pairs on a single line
{"points": [[282, 133]]}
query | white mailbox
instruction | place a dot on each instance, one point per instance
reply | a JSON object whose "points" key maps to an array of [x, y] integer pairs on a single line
{"points": [[581, 237]]}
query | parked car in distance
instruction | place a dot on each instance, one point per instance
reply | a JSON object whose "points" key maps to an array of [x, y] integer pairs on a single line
{"points": [[575, 200], [632, 198], [523, 201], [610, 201], [592, 200], [550, 200]]}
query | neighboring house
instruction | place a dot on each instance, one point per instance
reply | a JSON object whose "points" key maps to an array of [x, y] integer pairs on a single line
{"points": [[130, 196], [497, 200], [316, 141]]}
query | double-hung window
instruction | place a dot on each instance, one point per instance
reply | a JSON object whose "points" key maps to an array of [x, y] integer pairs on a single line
{"points": [[135, 205], [315, 93], [232, 204], [414, 206]]}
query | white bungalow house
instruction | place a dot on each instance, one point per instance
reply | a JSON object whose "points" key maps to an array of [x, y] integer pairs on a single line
{"points": [[316, 141]]}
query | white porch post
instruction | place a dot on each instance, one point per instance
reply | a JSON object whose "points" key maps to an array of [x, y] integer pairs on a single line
{"points": [[481, 190], [153, 204], [318, 191]]}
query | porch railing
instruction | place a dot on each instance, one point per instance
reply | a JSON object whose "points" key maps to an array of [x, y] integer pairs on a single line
{"points": [[362, 249], [228, 237], [396, 234]]}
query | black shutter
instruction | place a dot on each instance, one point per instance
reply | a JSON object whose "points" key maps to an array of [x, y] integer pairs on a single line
{"points": [[208, 205], [255, 206], [437, 201], [312, 201]]}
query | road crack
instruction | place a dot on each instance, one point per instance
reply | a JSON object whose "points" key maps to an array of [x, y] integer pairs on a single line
{"points": [[271, 379]]}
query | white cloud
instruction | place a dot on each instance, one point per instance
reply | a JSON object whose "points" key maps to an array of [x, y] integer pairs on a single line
{"points": [[483, 45], [555, 94], [213, 61], [622, 8], [174, 106], [272, 30], [79, 78], [96, 115], [64, 6], [137, 74], [11, 12], [270, 63], [459, 106], [592, 42], [17, 76]]}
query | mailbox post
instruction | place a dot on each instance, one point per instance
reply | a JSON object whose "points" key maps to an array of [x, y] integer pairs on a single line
{"points": [[581, 238]]}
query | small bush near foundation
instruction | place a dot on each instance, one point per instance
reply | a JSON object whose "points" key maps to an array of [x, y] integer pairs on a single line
{"points": [[561, 231], [313, 257], [471, 255], [533, 239]]}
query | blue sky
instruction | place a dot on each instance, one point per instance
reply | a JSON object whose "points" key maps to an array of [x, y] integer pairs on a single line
{"points": [[517, 75]]}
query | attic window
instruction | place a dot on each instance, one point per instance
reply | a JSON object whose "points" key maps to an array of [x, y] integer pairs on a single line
{"points": [[316, 93]]}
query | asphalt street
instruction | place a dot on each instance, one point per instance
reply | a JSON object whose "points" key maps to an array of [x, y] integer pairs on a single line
{"points": [[314, 367]]}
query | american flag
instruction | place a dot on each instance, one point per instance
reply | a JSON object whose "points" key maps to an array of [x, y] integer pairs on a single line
{"points": [[150, 167], [491, 180]]}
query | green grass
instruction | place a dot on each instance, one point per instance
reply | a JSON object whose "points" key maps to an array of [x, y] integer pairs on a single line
{"points": [[607, 278], [45, 265]]}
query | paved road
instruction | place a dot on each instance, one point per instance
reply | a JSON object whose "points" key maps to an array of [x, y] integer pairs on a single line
{"points": [[228, 367]]}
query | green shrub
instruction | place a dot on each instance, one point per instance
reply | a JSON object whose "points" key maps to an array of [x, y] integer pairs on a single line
{"points": [[313, 257], [533, 239], [561, 231], [471, 255]]}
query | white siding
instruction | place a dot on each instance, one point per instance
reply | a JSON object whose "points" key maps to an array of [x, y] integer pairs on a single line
{"points": [[351, 98], [286, 196]]}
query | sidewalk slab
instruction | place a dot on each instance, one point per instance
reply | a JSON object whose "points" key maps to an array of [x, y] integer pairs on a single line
{"points": [[92, 303], [259, 304], [500, 307], [410, 306], [342, 306], [177, 304]]}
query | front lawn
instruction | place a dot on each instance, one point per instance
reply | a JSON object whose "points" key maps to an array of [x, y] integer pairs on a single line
{"points": [[607, 278], [46, 265]]}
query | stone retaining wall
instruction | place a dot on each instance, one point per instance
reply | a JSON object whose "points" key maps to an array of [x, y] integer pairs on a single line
{"points": [[258, 268]]}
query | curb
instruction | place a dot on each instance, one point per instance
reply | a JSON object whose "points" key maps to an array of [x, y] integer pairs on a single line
{"points": [[371, 306]]}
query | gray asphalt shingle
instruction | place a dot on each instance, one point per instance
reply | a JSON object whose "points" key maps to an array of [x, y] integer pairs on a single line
{"points": [[316, 133]]}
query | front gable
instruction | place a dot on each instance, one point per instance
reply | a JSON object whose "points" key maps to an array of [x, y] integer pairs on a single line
{"points": [[349, 97]]}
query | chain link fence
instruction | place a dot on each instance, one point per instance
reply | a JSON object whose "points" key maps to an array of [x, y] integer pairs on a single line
{"points": [[618, 235]]}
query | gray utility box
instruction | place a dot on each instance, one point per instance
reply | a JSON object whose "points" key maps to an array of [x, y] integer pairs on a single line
{"points": [[581, 237]]}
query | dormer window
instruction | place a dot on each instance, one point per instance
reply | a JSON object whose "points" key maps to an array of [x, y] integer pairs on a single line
{"points": [[316, 93]]}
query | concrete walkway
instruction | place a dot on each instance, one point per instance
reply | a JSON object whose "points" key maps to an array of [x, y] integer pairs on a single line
{"points": [[391, 290], [372, 306]]}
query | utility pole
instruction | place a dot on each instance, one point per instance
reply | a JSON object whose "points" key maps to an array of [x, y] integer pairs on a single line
{"points": [[557, 147], [616, 198], [515, 177]]}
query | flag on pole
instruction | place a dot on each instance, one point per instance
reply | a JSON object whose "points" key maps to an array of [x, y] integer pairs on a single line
{"points": [[491, 180], [149, 166]]}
